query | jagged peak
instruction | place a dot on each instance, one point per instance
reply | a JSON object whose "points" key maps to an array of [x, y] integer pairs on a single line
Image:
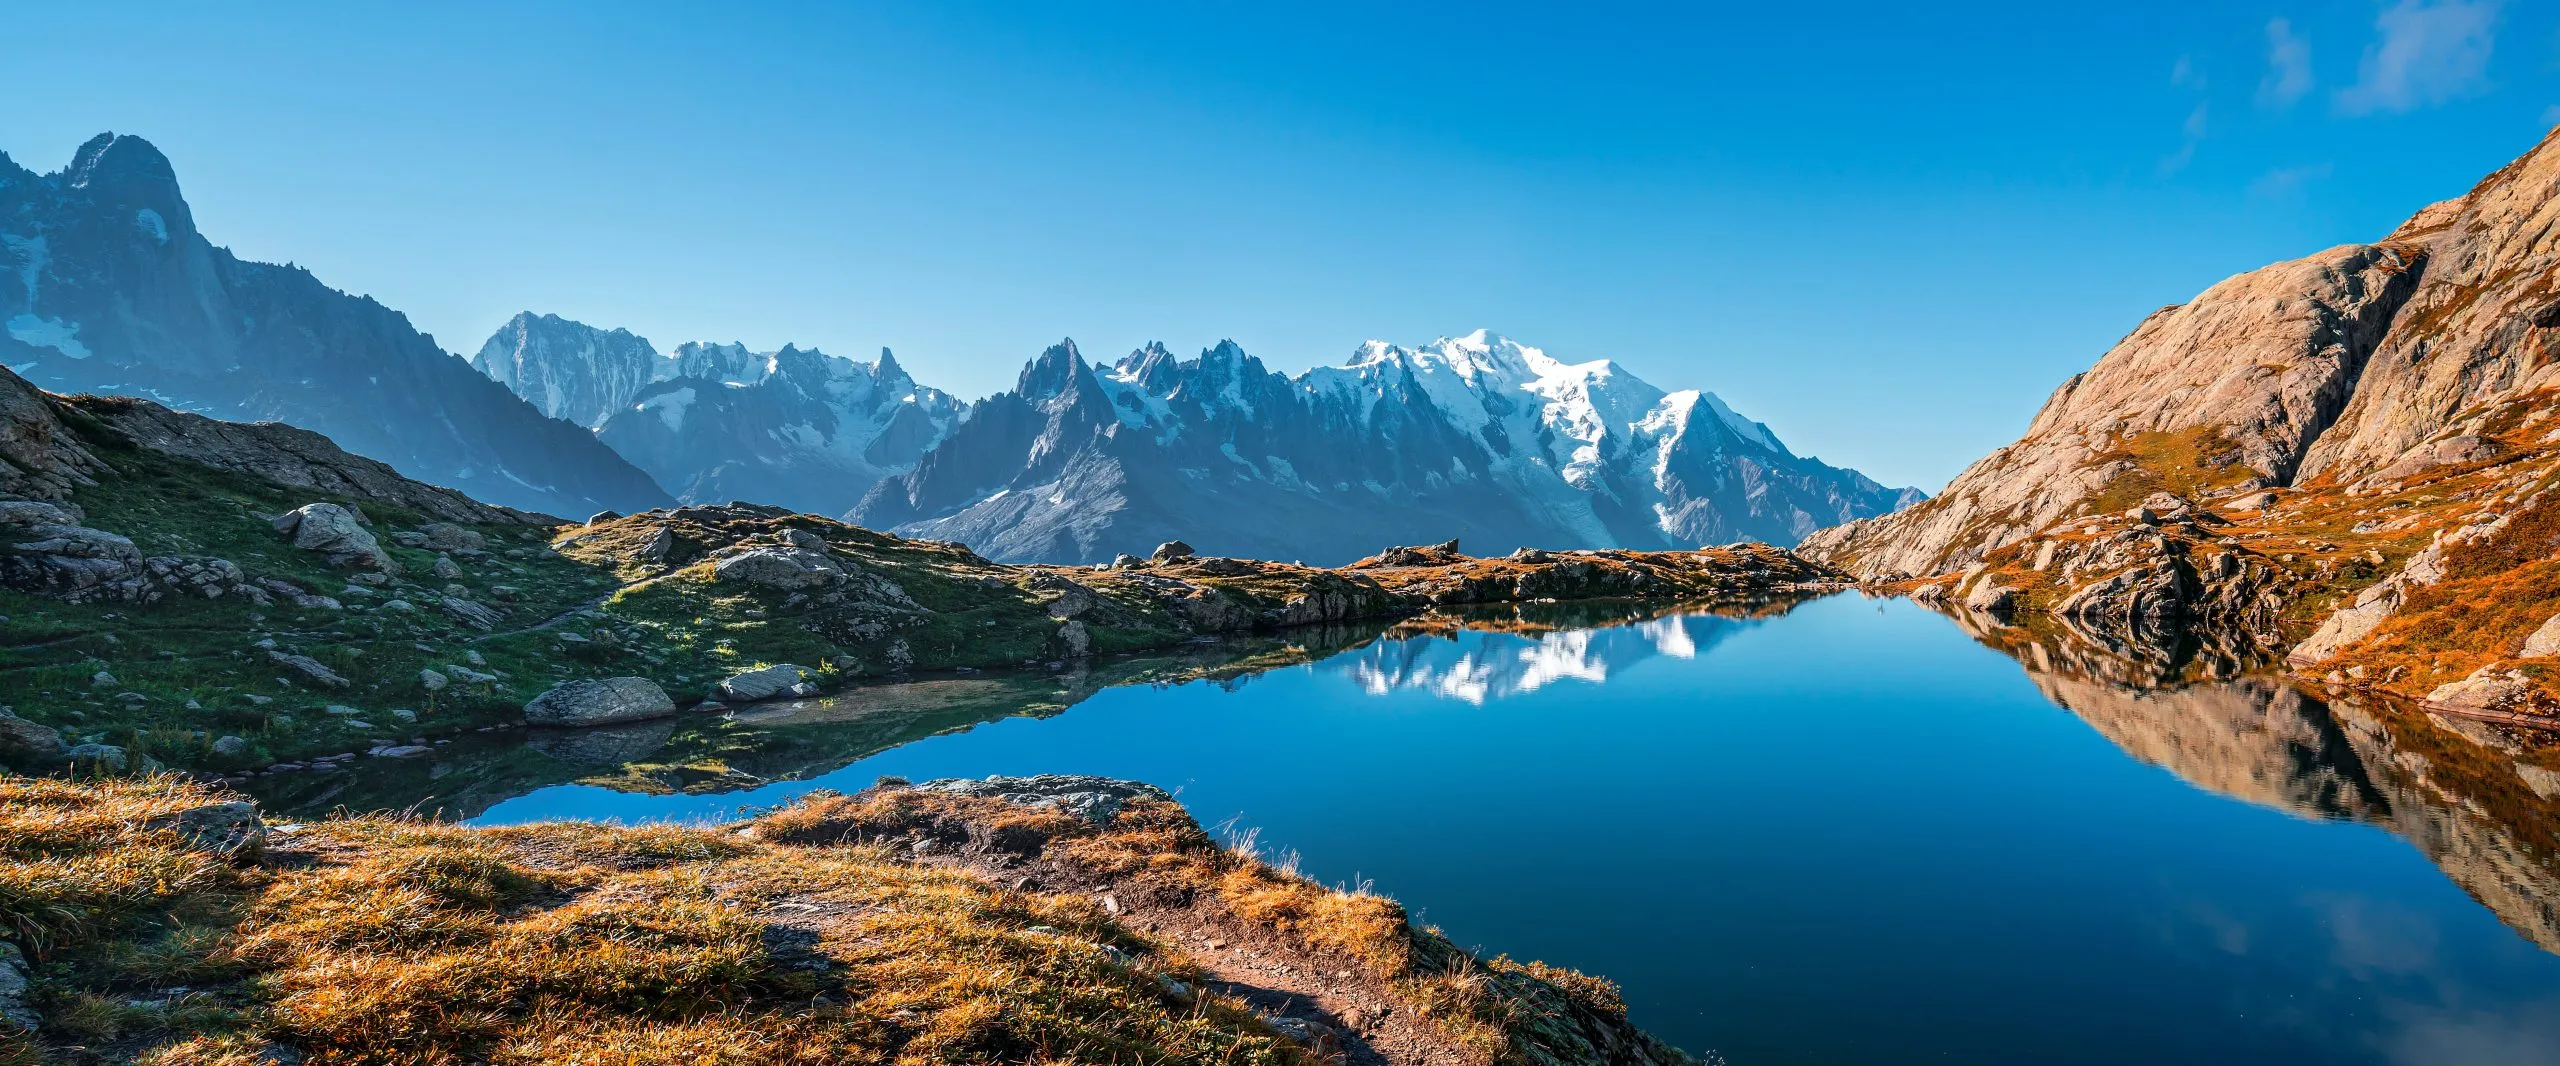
{"points": [[1057, 370], [887, 368]]}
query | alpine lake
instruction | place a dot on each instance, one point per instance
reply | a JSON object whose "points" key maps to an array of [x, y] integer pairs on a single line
{"points": [[1841, 830]]}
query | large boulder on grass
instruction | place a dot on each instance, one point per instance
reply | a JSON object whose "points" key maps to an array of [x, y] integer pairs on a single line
{"points": [[600, 702], [780, 568], [335, 533]]}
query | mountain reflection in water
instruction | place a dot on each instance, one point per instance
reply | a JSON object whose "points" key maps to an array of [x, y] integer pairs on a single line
{"points": [[1836, 831]]}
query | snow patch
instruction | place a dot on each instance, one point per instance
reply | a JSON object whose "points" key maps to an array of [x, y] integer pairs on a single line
{"points": [[51, 333], [33, 257]]}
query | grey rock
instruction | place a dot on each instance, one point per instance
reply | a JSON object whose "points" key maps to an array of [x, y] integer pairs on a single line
{"points": [[1074, 641], [334, 533], [448, 537], [446, 569], [1170, 551], [402, 751], [104, 756], [780, 568], [25, 743], [475, 615], [1094, 799], [600, 702], [767, 683], [310, 668], [227, 746], [15, 1013], [432, 681]]}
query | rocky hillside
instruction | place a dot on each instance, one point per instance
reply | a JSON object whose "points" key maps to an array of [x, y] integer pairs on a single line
{"points": [[235, 597], [2347, 455], [113, 290], [1477, 437], [796, 428]]}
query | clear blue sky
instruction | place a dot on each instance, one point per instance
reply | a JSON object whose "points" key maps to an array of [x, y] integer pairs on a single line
{"points": [[1886, 229]]}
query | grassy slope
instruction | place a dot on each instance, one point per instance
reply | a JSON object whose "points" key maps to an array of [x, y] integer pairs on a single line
{"points": [[820, 936]]}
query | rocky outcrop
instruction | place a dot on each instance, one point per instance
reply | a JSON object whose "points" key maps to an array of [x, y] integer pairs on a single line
{"points": [[602, 702], [2340, 409], [2243, 379], [289, 456]]}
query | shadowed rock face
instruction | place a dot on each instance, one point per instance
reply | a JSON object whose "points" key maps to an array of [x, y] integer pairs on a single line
{"points": [[112, 290]]}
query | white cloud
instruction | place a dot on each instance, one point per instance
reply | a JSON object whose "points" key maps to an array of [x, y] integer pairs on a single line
{"points": [[2425, 53], [2288, 67], [2193, 138]]}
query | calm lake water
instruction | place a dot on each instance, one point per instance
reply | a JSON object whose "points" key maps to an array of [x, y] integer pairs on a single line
{"points": [[1848, 833]]}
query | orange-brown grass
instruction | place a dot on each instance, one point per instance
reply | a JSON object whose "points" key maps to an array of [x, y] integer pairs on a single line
{"points": [[2496, 592], [1498, 1011], [381, 940]]}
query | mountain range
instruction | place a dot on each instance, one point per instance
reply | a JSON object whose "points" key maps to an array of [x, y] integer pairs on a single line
{"points": [[1476, 437], [114, 291], [714, 422]]}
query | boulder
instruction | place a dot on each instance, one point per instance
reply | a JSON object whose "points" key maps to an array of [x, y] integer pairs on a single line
{"points": [[446, 569], [780, 568], [2545, 641], [224, 827], [1126, 561], [1171, 551], [475, 615], [49, 553], [335, 533], [15, 1013], [25, 743], [601, 702], [2487, 689], [102, 756], [1074, 641], [311, 669], [767, 683], [447, 537]]}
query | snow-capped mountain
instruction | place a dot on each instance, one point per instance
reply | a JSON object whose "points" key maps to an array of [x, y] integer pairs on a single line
{"points": [[715, 422], [1476, 437], [570, 369], [109, 288]]}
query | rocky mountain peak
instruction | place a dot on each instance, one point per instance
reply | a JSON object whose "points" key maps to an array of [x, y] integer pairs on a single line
{"points": [[127, 172], [1058, 370]]}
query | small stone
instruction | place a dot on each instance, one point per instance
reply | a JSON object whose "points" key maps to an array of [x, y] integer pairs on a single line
{"points": [[230, 745], [404, 714], [102, 679], [432, 681]]}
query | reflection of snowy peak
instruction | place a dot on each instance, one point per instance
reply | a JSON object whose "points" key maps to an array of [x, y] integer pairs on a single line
{"points": [[713, 422], [1478, 665], [1476, 437]]}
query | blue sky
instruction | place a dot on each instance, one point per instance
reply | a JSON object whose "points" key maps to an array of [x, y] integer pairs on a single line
{"points": [[1889, 230]]}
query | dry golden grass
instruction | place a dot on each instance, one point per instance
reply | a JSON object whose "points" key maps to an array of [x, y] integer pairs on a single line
{"points": [[801, 937]]}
